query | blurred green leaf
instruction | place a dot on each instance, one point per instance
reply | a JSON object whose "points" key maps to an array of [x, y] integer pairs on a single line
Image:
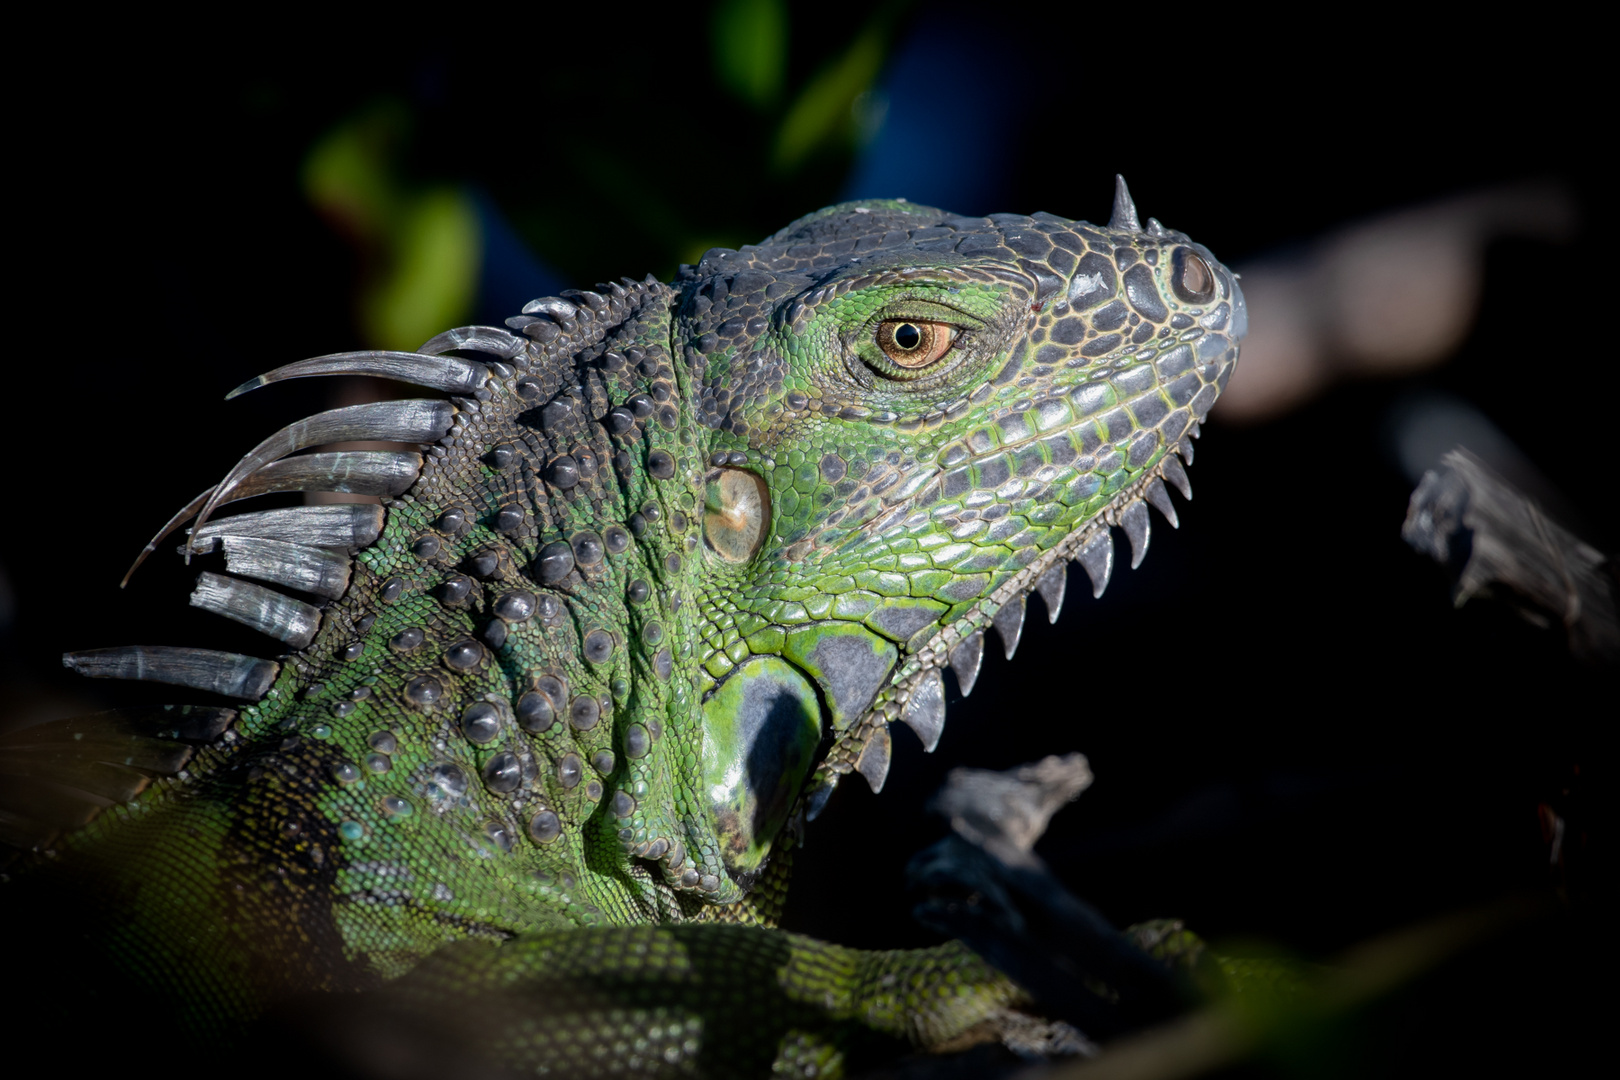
{"points": [[1300, 1017], [823, 113], [346, 173], [751, 48], [421, 248], [432, 279]]}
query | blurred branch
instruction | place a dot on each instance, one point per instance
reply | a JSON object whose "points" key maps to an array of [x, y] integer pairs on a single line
{"points": [[1131, 986], [1388, 296], [1237, 1028], [1006, 812], [1496, 541], [984, 886]]}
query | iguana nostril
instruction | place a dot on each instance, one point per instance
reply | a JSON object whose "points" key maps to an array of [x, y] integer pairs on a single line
{"points": [[1191, 277]]}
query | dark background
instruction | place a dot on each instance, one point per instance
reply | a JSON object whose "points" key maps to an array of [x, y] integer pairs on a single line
{"points": [[1298, 743]]}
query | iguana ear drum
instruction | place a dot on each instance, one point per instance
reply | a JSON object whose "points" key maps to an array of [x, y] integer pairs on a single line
{"points": [[736, 514]]}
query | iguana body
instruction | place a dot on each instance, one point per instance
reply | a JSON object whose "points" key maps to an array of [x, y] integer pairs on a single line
{"points": [[674, 558]]}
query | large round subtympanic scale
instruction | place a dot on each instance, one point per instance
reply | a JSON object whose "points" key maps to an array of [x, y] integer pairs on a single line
{"points": [[736, 514]]}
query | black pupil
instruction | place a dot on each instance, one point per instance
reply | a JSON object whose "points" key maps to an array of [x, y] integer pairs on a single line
{"points": [[907, 336]]}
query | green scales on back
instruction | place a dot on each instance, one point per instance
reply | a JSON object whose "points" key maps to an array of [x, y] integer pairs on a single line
{"points": [[671, 559]]}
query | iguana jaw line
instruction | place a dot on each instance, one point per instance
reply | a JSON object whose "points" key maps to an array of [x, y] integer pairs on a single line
{"points": [[865, 746]]}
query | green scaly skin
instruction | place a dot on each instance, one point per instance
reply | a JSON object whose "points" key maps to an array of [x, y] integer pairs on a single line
{"points": [[542, 794]]}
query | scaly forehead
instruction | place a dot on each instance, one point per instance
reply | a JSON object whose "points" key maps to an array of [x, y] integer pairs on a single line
{"points": [[727, 289], [1088, 289]]}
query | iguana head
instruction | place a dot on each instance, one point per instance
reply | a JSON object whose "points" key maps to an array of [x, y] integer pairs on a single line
{"points": [[910, 421], [675, 556]]}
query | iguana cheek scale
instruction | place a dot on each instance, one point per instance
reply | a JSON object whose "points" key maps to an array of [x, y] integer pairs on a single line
{"points": [[671, 560]]}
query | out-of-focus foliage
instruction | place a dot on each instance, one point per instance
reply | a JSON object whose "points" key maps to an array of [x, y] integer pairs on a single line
{"points": [[421, 237], [751, 49], [420, 246], [826, 111]]}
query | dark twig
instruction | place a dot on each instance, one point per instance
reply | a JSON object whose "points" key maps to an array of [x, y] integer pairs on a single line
{"points": [[987, 888], [1499, 543]]}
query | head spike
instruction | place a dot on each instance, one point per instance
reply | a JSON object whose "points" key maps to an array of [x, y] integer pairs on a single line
{"points": [[1124, 216]]}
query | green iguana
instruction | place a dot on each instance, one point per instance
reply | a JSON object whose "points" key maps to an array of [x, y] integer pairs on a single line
{"points": [[670, 560]]}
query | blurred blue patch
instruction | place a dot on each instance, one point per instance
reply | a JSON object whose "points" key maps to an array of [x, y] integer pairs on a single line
{"points": [[950, 132], [509, 275]]}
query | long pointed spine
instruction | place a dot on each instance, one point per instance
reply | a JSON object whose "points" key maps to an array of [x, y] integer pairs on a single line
{"points": [[484, 339], [350, 472], [411, 421], [321, 571], [349, 526], [449, 373], [265, 610], [230, 674]]}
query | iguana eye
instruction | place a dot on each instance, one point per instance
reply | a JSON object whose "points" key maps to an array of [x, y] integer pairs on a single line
{"points": [[913, 343], [1191, 277]]}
